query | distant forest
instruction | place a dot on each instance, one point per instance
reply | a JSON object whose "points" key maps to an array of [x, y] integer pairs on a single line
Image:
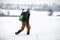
{"points": [[37, 7]]}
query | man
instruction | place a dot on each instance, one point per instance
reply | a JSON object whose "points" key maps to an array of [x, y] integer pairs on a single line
{"points": [[50, 12], [25, 22]]}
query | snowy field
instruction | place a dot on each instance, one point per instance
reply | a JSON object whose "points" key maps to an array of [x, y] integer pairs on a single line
{"points": [[43, 27]]}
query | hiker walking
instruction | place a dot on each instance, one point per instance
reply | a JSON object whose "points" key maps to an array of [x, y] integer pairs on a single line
{"points": [[25, 22]]}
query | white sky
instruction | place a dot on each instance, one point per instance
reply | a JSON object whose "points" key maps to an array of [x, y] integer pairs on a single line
{"points": [[31, 1]]}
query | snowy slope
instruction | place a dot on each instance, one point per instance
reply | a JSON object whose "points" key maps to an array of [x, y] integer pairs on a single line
{"points": [[43, 27]]}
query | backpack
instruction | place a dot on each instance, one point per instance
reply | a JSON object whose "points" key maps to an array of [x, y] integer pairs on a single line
{"points": [[21, 17]]}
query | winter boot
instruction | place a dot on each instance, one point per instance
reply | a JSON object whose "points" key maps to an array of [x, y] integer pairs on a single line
{"points": [[18, 32], [28, 33]]}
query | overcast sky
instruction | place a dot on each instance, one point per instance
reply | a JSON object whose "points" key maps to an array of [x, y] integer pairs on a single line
{"points": [[31, 1]]}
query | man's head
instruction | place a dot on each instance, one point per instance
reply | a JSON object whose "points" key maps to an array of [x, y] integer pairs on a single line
{"points": [[22, 9]]}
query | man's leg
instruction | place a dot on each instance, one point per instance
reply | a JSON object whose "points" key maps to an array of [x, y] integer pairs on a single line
{"points": [[28, 28], [22, 28]]}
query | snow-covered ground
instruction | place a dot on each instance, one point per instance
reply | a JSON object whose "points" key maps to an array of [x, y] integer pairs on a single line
{"points": [[43, 27]]}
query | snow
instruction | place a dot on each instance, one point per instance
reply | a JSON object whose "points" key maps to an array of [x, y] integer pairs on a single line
{"points": [[43, 27]]}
